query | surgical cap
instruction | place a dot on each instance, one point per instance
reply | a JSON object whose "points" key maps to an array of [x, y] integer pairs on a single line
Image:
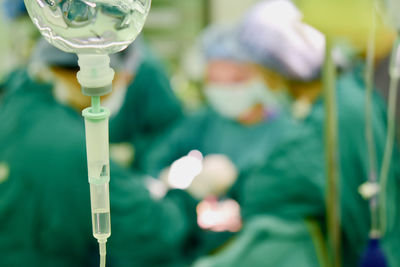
{"points": [[14, 8], [46, 55], [220, 42], [274, 35]]}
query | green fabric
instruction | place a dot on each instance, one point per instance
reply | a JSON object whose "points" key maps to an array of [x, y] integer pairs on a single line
{"points": [[207, 131], [45, 203], [150, 106], [292, 182], [267, 241], [283, 169]]}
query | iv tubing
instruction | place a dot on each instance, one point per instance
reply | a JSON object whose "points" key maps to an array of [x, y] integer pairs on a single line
{"points": [[331, 157], [102, 249], [96, 104], [394, 81], [369, 81]]}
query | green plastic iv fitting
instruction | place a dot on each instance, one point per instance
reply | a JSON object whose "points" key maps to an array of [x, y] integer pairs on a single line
{"points": [[96, 104], [96, 112]]}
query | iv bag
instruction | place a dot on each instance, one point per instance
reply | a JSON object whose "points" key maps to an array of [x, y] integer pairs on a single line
{"points": [[89, 26]]}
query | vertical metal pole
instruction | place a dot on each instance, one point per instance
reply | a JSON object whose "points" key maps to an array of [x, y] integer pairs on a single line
{"points": [[369, 133], [331, 157]]}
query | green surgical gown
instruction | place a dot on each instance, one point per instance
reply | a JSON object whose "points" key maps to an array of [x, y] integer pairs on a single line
{"points": [[283, 173], [207, 131], [150, 106], [44, 192], [292, 182]]}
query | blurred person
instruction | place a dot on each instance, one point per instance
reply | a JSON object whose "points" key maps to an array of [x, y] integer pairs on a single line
{"points": [[288, 191], [45, 210], [252, 101], [284, 188], [254, 105]]}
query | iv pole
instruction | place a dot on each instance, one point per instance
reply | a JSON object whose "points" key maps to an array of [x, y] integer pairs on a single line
{"points": [[331, 157]]}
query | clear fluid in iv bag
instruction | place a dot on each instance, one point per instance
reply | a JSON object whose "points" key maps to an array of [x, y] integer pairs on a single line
{"points": [[89, 26], [101, 224]]}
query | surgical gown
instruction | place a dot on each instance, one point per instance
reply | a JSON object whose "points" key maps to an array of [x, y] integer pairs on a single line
{"points": [[150, 106], [209, 132], [291, 186], [288, 180], [44, 192]]}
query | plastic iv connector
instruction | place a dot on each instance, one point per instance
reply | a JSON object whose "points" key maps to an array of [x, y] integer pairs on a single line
{"points": [[93, 29]]}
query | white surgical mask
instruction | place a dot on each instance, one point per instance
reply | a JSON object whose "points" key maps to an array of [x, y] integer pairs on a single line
{"points": [[234, 100]]}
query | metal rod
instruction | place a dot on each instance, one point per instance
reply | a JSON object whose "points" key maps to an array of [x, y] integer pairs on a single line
{"points": [[331, 157]]}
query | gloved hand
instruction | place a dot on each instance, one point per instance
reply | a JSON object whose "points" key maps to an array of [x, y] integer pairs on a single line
{"points": [[211, 177], [216, 178], [219, 216], [182, 172]]}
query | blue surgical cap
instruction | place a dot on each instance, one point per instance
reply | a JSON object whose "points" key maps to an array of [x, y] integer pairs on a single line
{"points": [[220, 42]]}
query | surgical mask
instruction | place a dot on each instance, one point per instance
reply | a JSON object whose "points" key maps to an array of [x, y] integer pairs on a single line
{"points": [[234, 100]]}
